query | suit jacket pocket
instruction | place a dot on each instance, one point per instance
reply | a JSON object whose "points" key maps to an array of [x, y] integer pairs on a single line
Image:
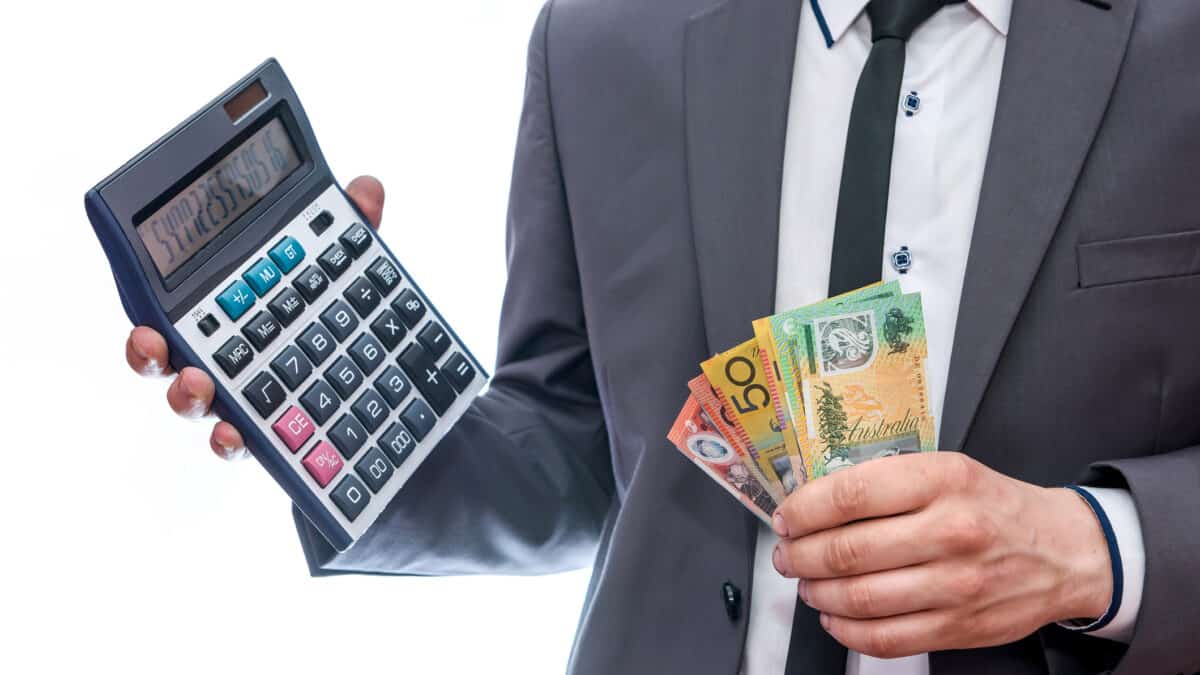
{"points": [[1157, 256]]}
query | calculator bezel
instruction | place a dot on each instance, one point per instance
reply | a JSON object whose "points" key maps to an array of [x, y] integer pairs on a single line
{"points": [[164, 165], [147, 301]]}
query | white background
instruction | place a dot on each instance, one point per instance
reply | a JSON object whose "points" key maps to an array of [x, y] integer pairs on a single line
{"points": [[127, 545]]}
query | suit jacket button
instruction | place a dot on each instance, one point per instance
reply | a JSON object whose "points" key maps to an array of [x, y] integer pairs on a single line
{"points": [[732, 596]]}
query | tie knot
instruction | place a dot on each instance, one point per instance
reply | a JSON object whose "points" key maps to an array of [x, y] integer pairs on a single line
{"points": [[899, 18]]}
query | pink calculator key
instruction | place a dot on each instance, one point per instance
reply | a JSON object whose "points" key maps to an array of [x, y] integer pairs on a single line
{"points": [[294, 428], [323, 463]]}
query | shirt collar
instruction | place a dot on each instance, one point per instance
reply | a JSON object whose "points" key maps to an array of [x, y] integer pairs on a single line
{"points": [[836, 16]]}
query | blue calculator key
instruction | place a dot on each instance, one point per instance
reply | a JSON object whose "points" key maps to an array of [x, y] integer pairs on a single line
{"points": [[418, 418], [389, 329], [317, 342], [287, 254], [393, 385], [292, 366], [335, 261], [262, 276], [234, 355], [344, 376], [374, 469], [397, 443], [371, 410], [287, 306], [265, 394], [410, 307], [367, 352], [348, 435], [321, 401], [236, 299], [356, 239], [339, 319], [384, 274], [311, 283], [262, 330], [350, 496]]}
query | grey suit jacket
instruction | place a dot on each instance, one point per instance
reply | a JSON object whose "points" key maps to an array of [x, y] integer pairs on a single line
{"points": [[642, 237]]}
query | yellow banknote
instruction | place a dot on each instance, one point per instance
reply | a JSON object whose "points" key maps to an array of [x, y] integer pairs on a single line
{"points": [[740, 379], [856, 374], [713, 403]]}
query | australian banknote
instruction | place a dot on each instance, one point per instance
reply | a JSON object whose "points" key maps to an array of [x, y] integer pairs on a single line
{"points": [[697, 437], [853, 374], [713, 403]]}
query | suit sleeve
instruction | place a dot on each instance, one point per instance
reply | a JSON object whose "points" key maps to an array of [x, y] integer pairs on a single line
{"points": [[523, 482], [1166, 491]]}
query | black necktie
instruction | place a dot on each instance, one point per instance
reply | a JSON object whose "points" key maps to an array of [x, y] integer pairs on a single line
{"points": [[863, 198], [858, 237]]}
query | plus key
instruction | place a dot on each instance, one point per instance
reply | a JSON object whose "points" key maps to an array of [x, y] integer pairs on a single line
{"points": [[421, 368]]}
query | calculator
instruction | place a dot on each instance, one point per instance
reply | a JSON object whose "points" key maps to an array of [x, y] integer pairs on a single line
{"points": [[230, 236]]}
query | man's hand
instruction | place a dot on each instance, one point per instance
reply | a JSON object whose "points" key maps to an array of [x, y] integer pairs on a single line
{"points": [[925, 552], [191, 394]]}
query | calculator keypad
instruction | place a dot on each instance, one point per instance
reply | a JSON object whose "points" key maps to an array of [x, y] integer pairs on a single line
{"points": [[343, 365]]}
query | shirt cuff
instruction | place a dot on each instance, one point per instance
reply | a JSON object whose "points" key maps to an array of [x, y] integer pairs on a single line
{"points": [[1118, 517]]}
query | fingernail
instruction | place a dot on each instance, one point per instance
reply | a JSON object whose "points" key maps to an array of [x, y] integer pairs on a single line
{"points": [[802, 588], [779, 524], [233, 454], [777, 560], [152, 367], [825, 621]]}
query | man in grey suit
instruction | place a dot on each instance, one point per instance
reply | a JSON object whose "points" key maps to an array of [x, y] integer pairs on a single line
{"points": [[643, 232]]}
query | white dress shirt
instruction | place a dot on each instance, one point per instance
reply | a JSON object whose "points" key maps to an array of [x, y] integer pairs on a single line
{"points": [[952, 71]]}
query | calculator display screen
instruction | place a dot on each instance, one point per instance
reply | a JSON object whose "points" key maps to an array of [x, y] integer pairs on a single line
{"points": [[233, 183]]}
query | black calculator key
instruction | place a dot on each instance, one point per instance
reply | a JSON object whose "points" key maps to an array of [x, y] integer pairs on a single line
{"points": [[393, 385], [320, 400], [287, 306], [384, 274], [340, 320], [459, 371], [265, 394], [435, 339], [397, 443], [367, 353], [335, 261], [311, 283], [374, 469], [292, 366], [344, 376], [363, 295], [418, 418], [388, 328], [321, 223], [350, 496], [208, 325], [357, 239], [371, 410], [262, 330], [430, 381], [410, 307], [234, 355], [317, 342], [348, 435]]}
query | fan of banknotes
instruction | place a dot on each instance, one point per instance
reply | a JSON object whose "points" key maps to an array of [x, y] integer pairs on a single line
{"points": [[819, 389]]}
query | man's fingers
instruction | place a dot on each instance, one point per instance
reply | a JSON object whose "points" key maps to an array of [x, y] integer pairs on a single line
{"points": [[367, 193], [146, 352], [227, 443], [881, 487], [191, 394], [864, 547], [891, 637], [891, 593]]}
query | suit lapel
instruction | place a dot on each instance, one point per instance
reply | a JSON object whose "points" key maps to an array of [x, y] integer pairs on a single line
{"points": [[1060, 66], [737, 84]]}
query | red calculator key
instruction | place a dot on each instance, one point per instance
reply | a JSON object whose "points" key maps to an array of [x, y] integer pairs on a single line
{"points": [[294, 428], [323, 463]]}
